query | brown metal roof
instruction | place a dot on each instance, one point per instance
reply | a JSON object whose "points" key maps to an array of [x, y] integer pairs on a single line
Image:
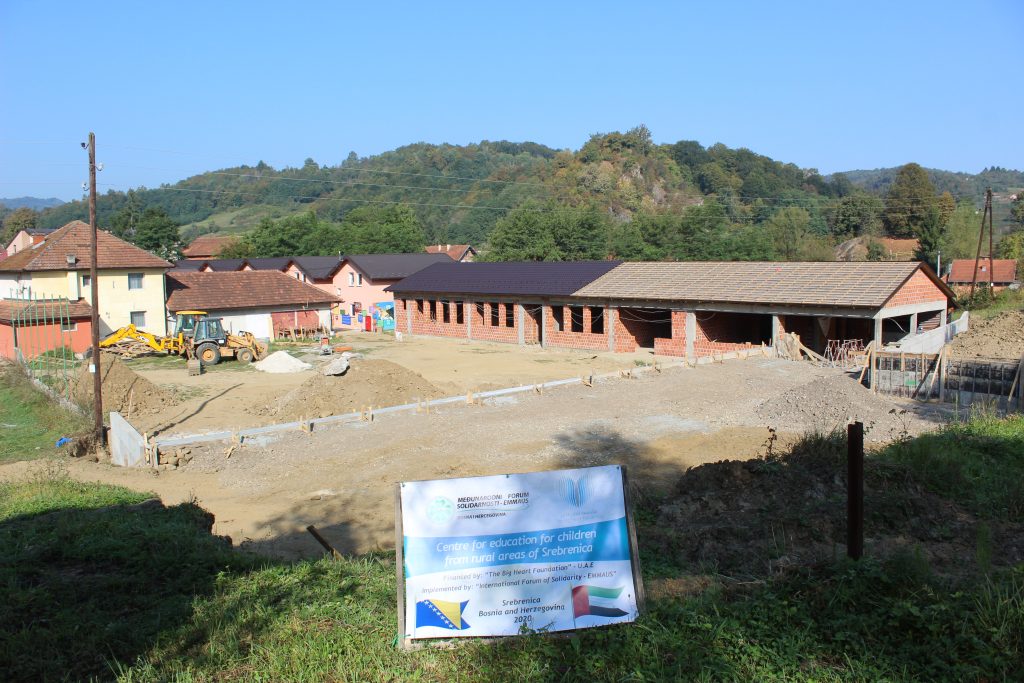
{"points": [[856, 285], [74, 240], [46, 310], [240, 289]]}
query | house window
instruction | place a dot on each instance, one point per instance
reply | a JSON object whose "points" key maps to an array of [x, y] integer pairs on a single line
{"points": [[138, 318], [86, 281], [576, 318], [459, 319], [596, 320], [359, 280], [351, 279], [446, 314], [494, 314], [68, 326], [510, 315], [558, 313], [134, 280], [433, 310]]}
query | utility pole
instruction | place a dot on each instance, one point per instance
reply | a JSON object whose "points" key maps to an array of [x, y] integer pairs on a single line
{"points": [[981, 236], [97, 378]]}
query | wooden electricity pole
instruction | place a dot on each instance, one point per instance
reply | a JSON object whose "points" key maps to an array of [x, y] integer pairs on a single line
{"points": [[981, 236], [97, 378]]}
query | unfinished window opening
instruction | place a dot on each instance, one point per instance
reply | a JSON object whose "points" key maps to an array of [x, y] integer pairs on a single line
{"points": [[433, 310], [459, 318], [494, 314], [735, 328], [480, 311], [896, 328], [419, 306], [645, 325], [558, 315], [510, 315], [446, 314], [576, 318], [596, 320]]}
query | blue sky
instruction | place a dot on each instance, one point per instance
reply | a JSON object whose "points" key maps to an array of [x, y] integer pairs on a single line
{"points": [[173, 89]]}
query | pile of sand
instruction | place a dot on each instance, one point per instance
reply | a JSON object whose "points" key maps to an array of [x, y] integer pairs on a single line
{"points": [[830, 403], [123, 390], [376, 383], [281, 362], [998, 337]]}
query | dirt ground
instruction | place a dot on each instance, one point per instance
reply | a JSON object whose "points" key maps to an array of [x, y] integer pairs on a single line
{"points": [[341, 479], [232, 396], [999, 337]]}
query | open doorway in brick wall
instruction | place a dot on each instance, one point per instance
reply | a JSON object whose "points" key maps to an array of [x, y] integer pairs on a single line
{"points": [[645, 325]]}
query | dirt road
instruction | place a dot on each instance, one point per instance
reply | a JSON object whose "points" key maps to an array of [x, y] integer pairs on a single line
{"points": [[342, 479]]}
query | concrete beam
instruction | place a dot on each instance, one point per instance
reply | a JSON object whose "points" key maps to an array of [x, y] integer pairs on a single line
{"points": [[521, 323], [408, 315], [910, 309], [544, 326], [469, 310], [691, 334], [776, 326], [609, 321]]}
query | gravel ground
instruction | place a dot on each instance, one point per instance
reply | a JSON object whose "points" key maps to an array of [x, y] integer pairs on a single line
{"points": [[342, 478]]}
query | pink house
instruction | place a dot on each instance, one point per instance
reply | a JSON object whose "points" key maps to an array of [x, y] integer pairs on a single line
{"points": [[361, 279]]}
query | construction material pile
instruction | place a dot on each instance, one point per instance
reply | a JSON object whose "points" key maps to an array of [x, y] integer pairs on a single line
{"points": [[123, 390], [831, 403], [999, 337], [281, 362], [376, 383]]}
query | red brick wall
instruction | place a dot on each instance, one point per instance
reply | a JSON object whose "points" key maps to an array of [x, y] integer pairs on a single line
{"points": [[485, 331], [676, 346], [918, 289], [567, 339]]}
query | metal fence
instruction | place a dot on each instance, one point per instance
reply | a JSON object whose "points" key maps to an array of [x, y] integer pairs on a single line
{"points": [[41, 330]]}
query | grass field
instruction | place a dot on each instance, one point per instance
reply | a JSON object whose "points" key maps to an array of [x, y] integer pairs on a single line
{"points": [[237, 221], [30, 423], [95, 587]]}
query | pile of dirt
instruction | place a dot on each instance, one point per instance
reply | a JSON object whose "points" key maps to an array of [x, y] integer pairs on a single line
{"points": [[831, 403], [123, 390], [998, 337], [757, 517], [376, 383], [281, 362]]}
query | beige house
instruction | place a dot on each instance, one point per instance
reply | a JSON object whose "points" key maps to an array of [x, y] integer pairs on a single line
{"points": [[26, 238], [130, 279]]}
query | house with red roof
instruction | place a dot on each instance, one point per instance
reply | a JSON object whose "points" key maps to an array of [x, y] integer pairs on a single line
{"points": [[995, 273]]}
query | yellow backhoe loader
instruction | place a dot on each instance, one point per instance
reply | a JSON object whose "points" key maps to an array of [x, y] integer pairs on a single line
{"points": [[195, 336]]}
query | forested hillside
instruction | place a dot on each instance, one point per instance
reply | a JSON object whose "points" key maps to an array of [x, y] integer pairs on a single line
{"points": [[619, 195]]}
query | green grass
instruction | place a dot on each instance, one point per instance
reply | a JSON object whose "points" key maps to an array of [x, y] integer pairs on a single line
{"points": [[238, 220], [982, 306], [31, 423], [95, 589], [978, 463]]}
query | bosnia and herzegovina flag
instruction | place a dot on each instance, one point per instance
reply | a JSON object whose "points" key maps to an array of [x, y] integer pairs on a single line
{"points": [[441, 613], [582, 605]]}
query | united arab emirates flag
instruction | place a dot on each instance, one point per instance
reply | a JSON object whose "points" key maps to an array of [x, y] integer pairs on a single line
{"points": [[583, 598]]}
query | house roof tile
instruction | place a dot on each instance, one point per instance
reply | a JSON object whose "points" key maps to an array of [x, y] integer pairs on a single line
{"points": [[394, 266], [999, 271], [43, 310], [455, 251], [239, 290], [74, 240], [846, 284], [209, 245], [522, 278]]}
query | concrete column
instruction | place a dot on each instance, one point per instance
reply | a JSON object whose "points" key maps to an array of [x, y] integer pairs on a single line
{"points": [[544, 326], [913, 323], [408, 315], [469, 310], [609, 321], [878, 334], [776, 328], [521, 323], [691, 333], [943, 322]]}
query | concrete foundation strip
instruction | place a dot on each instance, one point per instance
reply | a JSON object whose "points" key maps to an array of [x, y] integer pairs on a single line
{"points": [[367, 414]]}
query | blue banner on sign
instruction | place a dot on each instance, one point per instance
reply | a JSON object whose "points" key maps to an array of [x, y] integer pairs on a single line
{"points": [[599, 542]]}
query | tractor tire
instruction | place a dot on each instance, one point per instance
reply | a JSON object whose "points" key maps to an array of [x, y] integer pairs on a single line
{"points": [[208, 354], [244, 356]]}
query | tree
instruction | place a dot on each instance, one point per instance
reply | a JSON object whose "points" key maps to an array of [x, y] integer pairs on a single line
{"points": [[909, 201], [789, 228], [1017, 208], [523, 235], [579, 234], [856, 215], [16, 221], [962, 232], [1012, 246], [381, 230], [931, 236], [157, 233], [947, 205]]}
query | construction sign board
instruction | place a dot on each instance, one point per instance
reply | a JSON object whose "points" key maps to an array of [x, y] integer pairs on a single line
{"points": [[518, 553]]}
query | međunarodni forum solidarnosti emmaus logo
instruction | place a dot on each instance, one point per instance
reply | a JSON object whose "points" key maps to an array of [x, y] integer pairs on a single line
{"points": [[440, 510]]}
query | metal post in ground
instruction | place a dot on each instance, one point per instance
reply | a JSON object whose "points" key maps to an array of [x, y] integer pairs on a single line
{"points": [[855, 490]]}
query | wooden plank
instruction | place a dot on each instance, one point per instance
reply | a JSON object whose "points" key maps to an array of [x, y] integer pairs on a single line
{"points": [[634, 549], [942, 373]]}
